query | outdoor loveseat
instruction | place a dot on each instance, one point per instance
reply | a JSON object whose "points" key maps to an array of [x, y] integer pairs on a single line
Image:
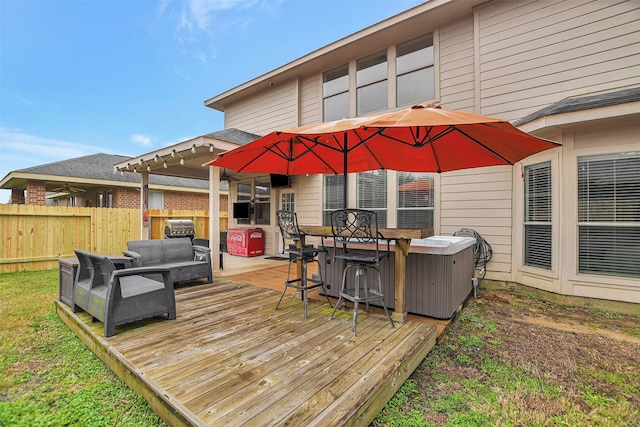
{"points": [[185, 260], [116, 297]]}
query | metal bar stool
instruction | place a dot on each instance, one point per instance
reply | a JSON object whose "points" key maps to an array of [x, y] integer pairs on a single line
{"points": [[358, 226], [288, 223]]}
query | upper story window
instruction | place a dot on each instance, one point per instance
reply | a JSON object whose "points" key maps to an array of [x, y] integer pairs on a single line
{"points": [[609, 214], [335, 94], [371, 83], [415, 71]]}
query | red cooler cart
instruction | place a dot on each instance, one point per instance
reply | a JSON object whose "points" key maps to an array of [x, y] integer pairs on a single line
{"points": [[245, 242]]}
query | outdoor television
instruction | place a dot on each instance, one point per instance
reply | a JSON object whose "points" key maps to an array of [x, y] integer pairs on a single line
{"points": [[280, 181], [241, 210]]}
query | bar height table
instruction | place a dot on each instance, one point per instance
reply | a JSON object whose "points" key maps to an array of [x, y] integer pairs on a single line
{"points": [[402, 237]]}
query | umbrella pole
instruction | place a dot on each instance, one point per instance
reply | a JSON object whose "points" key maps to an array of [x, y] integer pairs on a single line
{"points": [[346, 173]]}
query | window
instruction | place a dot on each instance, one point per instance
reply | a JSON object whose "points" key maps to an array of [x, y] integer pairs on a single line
{"points": [[414, 69], [371, 82], [288, 202], [333, 199], [609, 215], [335, 94], [244, 195], [415, 200], [537, 215], [156, 200], [372, 193], [262, 203], [104, 200]]}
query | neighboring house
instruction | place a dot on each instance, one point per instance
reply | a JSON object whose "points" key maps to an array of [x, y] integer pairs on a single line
{"points": [[566, 220], [90, 181], [95, 181]]}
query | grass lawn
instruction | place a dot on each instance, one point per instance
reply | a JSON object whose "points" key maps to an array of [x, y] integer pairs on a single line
{"points": [[48, 377], [508, 360]]}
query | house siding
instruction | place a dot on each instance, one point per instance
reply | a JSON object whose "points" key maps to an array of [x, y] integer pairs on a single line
{"points": [[504, 59], [480, 199], [457, 65], [534, 54], [274, 108]]}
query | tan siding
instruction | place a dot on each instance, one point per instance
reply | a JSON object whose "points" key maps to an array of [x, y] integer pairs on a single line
{"points": [[311, 100], [456, 61], [275, 108], [538, 53], [480, 199]]}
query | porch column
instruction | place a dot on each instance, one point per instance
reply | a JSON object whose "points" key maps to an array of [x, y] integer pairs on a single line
{"points": [[145, 226], [214, 218]]}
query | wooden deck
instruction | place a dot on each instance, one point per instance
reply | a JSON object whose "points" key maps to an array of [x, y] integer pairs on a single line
{"points": [[231, 359]]}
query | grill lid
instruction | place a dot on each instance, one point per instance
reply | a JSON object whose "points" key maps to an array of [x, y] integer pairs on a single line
{"points": [[178, 227]]}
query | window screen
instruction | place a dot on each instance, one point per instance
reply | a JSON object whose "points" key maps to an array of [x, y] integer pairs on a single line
{"points": [[537, 215], [609, 215]]}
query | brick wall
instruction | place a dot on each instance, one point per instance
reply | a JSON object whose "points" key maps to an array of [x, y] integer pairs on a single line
{"points": [[36, 193], [124, 197], [17, 197], [182, 200]]}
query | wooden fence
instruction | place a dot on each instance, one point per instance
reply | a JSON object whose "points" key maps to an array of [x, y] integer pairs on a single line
{"points": [[34, 237]]}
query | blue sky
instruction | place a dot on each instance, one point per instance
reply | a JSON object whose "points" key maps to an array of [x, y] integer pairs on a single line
{"points": [[126, 77]]}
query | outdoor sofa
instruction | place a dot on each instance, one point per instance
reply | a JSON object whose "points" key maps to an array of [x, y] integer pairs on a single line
{"points": [[116, 297], [185, 260]]}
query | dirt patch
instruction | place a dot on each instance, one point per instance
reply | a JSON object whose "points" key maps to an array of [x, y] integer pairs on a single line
{"points": [[516, 360]]}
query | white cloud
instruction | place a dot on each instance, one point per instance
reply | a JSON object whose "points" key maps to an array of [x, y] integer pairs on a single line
{"points": [[34, 146], [141, 139], [200, 24]]}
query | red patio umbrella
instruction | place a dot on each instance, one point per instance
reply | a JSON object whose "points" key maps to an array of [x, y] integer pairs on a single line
{"points": [[418, 139]]}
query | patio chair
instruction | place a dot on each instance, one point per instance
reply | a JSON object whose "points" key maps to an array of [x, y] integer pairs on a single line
{"points": [[117, 297], [288, 223], [358, 226], [83, 281]]}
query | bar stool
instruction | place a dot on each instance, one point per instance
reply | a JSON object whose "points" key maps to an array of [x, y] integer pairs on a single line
{"points": [[358, 226], [288, 223]]}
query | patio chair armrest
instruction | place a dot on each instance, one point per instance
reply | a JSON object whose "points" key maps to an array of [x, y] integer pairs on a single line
{"points": [[200, 252], [136, 257], [137, 271]]}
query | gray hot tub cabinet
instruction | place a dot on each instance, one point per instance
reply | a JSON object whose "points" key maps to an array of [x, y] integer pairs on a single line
{"points": [[438, 275]]}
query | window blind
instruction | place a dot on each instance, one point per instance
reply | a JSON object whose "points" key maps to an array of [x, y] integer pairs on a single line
{"points": [[372, 193], [333, 197], [609, 214], [537, 215], [415, 200]]}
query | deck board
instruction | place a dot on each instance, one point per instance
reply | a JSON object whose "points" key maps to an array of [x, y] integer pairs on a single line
{"points": [[230, 358]]}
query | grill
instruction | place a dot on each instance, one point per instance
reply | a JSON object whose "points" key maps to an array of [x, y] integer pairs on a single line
{"points": [[178, 228]]}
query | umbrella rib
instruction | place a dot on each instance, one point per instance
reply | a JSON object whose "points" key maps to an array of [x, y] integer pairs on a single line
{"points": [[484, 146], [309, 149]]}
